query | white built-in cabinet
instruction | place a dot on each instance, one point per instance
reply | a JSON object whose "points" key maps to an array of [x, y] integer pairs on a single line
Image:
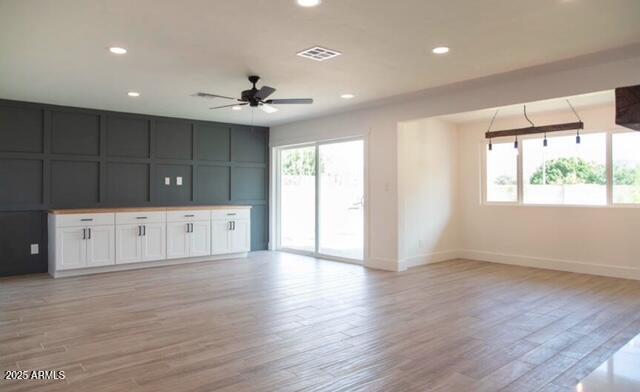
{"points": [[188, 234], [83, 240], [230, 232], [140, 237]]}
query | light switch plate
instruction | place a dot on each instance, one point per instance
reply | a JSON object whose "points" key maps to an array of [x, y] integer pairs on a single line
{"points": [[167, 180], [35, 249], [179, 181]]}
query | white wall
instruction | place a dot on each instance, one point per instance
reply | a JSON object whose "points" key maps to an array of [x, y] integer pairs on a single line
{"points": [[428, 222], [379, 122], [599, 240]]}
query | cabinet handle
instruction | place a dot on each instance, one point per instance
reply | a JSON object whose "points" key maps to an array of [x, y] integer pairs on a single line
{"points": [[144, 230], [191, 227], [141, 217], [189, 216], [84, 234], [86, 220], [139, 231], [234, 214], [233, 225], [89, 234]]}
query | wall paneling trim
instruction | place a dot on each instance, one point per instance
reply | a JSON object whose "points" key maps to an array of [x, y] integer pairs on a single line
{"points": [[62, 157]]}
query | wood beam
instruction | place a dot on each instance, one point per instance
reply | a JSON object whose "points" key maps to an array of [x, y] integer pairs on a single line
{"points": [[535, 130], [628, 107]]}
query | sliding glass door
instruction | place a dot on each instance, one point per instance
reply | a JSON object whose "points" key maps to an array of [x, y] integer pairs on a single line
{"points": [[298, 198], [340, 199], [321, 199]]}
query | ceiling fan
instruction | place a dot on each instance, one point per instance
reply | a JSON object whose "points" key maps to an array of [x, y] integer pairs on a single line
{"points": [[255, 97]]}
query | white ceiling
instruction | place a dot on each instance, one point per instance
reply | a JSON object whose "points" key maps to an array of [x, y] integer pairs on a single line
{"points": [[55, 51], [547, 106]]}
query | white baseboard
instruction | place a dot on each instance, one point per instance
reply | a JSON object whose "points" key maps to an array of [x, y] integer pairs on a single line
{"points": [[383, 264], [553, 264], [148, 264], [429, 258]]}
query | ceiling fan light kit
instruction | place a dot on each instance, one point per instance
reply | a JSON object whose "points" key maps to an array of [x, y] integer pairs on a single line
{"points": [[255, 97]]}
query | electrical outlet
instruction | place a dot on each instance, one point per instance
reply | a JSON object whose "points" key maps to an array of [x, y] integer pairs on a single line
{"points": [[167, 180], [179, 181], [35, 249]]}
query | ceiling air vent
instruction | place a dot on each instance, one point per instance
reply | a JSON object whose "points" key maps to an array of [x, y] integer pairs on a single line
{"points": [[318, 53]]}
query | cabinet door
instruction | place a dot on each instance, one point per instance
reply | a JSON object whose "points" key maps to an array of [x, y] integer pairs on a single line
{"points": [[128, 244], [154, 242], [100, 246], [220, 237], [177, 240], [71, 248], [240, 236], [200, 237]]}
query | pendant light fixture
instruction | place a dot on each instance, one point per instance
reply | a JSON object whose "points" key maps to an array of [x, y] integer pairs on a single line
{"points": [[579, 119], [544, 141], [534, 130], [489, 129]]}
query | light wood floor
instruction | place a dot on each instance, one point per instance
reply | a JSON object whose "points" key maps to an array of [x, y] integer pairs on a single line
{"points": [[280, 322]]}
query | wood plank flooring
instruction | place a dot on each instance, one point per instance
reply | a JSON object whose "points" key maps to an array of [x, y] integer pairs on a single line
{"points": [[282, 322]]}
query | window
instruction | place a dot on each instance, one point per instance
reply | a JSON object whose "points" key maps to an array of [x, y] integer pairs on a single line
{"points": [[626, 167], [565, 172], [602, 170], [502, 173]]}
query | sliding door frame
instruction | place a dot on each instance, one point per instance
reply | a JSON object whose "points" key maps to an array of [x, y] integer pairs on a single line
{"points": [[277, 197]]}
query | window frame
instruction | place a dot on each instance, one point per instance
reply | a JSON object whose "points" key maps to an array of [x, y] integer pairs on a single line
{"points": [[520, 169]]}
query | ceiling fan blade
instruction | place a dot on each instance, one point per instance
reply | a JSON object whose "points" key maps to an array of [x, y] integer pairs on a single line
{"points": [[228, 106], [293, 101], [207, 95], [268, 108], [264, 92]]}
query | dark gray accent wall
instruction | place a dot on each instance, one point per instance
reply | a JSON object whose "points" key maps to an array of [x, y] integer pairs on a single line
{"points": [[62, 157]]}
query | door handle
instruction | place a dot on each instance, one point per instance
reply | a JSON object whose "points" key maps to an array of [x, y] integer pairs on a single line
{"points": [[89, 233]]}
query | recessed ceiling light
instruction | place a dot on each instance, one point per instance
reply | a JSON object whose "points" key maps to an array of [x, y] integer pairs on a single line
{"points": [[237, 107], [440, 50], [308, 3], [117, 50], [133, 94], [347, 96]]}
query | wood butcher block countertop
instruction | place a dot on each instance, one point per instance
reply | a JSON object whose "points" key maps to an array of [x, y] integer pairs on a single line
{"points": [[134, 209]]}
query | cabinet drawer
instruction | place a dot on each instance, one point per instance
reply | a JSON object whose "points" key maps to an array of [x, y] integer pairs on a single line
{"points": [[188, 216], [231, 214], [132, 218], [84, 220]]}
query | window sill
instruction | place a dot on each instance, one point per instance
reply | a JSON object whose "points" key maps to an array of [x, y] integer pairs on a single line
{"points": [[595, 206]]}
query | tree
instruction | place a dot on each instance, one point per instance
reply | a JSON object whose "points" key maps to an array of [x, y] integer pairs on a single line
{"points": [[299, 163], [504, 180], [565, 171], [625, 175]]}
